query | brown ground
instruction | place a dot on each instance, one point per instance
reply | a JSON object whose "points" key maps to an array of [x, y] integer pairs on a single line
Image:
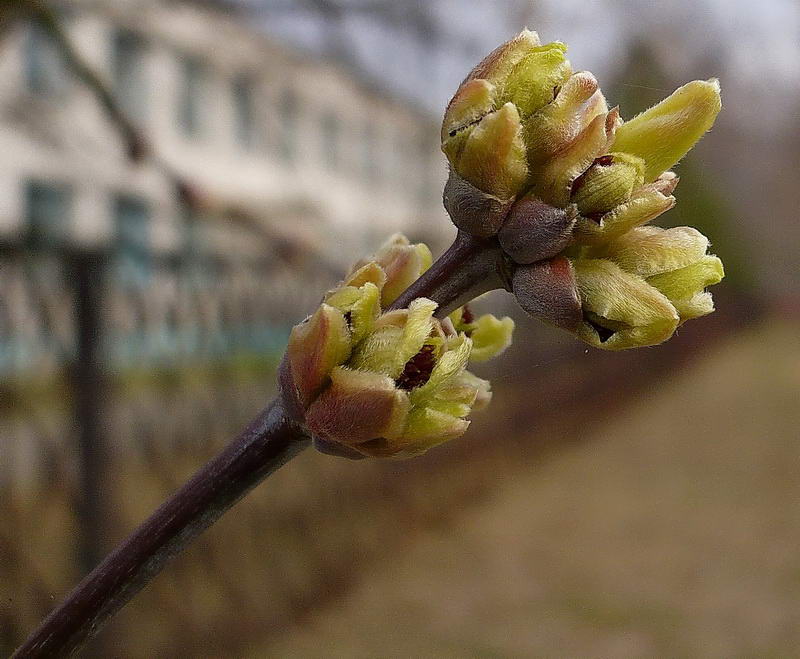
{"points": [[672, 531]]}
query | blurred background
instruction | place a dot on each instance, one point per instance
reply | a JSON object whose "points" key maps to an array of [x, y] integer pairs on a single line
{"points": [[181, 180]]}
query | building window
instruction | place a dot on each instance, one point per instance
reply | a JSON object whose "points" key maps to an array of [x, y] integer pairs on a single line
{"points": [[45, 69], [331, 133], [127, 70], [47, 213], [132, 238], [244, 107], [190, 116], [289, 109]]}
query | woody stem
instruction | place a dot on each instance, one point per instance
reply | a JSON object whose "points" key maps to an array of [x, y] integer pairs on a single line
{"points": [[470, 267], [270, 441]]}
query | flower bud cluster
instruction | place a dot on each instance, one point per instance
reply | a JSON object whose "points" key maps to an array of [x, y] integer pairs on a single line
{"points": [[369, 382], [540, 163]]}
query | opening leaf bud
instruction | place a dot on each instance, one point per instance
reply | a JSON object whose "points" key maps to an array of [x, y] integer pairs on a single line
{"points": [[490, 335], [662, 135], [316, 346], [530, 83], [607, 183], [620, 309], [674, 261], [644, 205], [403, 390], [492, 154]]}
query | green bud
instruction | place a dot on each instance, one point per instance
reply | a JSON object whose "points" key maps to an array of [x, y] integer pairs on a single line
{"points": [[477, 96], [532, 81], [645, 204], [482, 129], [473, 101], [674, 261], [685, 287], [554, 182], [315, 348], [498, 65], [367, 272], [427, 427], [361, 306], [574, 107], [608, 183], [491, 155], [358, 406], [620, 309], [490, 335], [402, 263], [464, 384], [648, 251], [662, 135]]}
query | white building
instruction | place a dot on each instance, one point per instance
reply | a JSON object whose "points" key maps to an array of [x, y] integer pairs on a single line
{"points": [[303, 142], [324, 163]]}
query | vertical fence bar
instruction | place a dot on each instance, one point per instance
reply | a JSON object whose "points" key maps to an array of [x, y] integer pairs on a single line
{"points": [[87, 374]]}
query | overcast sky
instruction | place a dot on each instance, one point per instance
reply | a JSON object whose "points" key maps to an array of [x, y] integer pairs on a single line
{"points": [[753, 46]]}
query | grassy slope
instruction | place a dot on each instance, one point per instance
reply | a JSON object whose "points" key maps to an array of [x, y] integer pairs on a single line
{"points": [[672, 531]]}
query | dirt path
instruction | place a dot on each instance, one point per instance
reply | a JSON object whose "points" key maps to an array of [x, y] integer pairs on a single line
{"points": [[672, 531]]}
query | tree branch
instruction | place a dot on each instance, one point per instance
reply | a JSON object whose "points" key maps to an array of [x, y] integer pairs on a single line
{"points": [[270, 441], [471, 266]]}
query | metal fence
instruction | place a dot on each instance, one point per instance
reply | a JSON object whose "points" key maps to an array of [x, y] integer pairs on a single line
{"points": [[114, 389]]}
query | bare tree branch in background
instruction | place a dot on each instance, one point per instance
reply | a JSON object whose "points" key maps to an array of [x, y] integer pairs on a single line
{"points": [[417, 18]]}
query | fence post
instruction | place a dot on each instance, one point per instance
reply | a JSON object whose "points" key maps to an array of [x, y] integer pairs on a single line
{"points": [[87, 275]]}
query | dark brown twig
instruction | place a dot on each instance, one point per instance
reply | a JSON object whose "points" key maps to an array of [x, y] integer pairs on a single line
{"points": [[469, 267], [270, 441]]}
